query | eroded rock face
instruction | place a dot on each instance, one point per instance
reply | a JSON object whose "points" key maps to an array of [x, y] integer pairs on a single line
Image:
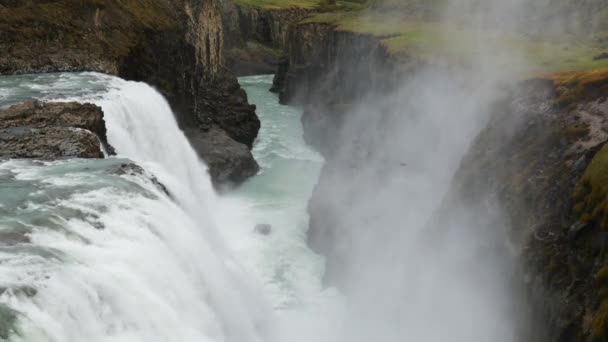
{"points": [[255, 38], [533, 158], [228, 161], [224, 106], [51, 131]]}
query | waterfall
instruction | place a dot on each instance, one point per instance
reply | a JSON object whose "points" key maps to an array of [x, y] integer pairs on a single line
{"points": [[112, 258]]}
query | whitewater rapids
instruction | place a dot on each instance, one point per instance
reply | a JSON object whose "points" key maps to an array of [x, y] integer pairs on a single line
{"points": [[95, 250], [113, 258]]}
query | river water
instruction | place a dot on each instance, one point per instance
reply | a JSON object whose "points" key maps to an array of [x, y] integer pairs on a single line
{"points": [[94, 250]]}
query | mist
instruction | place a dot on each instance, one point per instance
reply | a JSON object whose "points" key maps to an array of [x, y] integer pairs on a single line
{"points": [[414, 263]]}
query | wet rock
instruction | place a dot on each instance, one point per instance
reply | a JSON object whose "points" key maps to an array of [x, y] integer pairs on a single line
{"points": [[225, 106], [27, 291], [12, 238], [134, 169], [130, 169], [263, 228], [51, 131], [229, 161], [7, 322]]}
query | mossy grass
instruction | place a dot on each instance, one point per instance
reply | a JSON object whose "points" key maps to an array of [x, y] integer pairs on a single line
{"points": [[599, 323], [591, 193], [580, 85], [54, 19], [429, 40]]}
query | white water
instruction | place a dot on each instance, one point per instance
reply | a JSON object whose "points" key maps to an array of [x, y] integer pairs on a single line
{"points": [[291, 273], [157, 271]]}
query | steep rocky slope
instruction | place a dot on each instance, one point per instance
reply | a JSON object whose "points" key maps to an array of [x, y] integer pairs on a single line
{"points": [[549, 182], [176, 46], [256, 38]]}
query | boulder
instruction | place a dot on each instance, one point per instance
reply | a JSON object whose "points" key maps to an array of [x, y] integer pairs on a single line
{"points": [[49, 131], [229, 161]]}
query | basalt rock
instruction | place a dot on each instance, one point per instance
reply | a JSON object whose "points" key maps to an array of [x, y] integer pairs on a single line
{"points": [[256, 38], [224, 106], [232, 167], [51, 131], [134, 169]]}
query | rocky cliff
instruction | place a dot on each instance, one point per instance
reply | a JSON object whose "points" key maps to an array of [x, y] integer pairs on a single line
{"points": [[257, 38], [551, 132], [176, 46]]}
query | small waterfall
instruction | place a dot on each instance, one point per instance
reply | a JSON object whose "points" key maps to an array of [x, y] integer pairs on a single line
{"points": [[112, 258]]}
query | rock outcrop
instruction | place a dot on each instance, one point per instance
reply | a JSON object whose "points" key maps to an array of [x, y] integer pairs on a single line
{"points": [[52, 131], [176, 46], [327, 70], [224, 167]]}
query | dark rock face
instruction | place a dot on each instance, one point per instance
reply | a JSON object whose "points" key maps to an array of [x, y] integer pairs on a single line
{"points": [[320, 59], [256, 39], [134, 169], [52, 131], [232, 167], [328, 71], [224, 106], [547, 148], [176, 46]]}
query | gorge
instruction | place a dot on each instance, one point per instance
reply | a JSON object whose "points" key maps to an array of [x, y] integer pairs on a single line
{"points": [[423, 170]]}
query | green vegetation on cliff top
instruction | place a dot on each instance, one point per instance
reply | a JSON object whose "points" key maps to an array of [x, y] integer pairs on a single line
{"points": [[68, 22], [431, 41], [407, 29]]}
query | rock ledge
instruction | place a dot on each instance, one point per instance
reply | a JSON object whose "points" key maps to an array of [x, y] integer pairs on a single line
{"points": [[53, 130]]}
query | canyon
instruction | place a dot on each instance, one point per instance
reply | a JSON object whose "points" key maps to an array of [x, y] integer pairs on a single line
{"points": [[548, 125]]}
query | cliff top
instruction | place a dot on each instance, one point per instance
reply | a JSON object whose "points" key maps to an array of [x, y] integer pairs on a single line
{"points": [[321, 5], [574, 37], [432, 40]]}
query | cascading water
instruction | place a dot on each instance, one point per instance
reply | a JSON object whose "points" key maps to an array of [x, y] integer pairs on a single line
{"points": [[95, 250], [109, 256]]}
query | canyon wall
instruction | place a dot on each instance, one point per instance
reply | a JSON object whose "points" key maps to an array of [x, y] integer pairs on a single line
{"points": [[256, 39], [538, 158]]}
